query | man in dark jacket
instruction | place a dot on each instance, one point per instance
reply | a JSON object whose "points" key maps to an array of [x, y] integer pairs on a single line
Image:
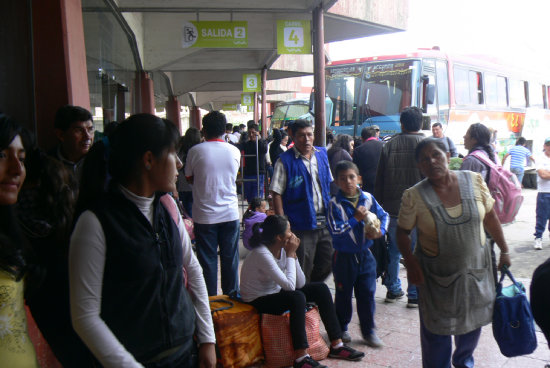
{"points": [[396, 172], [367, 155], [254, 163]]}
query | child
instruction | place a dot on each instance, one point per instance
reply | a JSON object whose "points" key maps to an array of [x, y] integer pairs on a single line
{"points": [[353, 265], [255, 213]]}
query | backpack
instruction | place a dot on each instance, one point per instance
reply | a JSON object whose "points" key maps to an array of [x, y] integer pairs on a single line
{"points": [[505, 189]]}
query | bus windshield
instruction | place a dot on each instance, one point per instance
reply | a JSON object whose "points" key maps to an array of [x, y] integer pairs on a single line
{"points": [[387, 89], [342, 88]]}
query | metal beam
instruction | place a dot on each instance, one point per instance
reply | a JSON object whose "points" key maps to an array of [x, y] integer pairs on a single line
{"points": [[319, 75]]}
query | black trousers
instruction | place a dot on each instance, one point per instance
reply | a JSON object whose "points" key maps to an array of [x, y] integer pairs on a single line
{"points": [[295, 302]]}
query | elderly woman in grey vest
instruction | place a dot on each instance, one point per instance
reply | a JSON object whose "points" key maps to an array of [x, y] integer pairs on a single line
{"points": [[452, 261]]}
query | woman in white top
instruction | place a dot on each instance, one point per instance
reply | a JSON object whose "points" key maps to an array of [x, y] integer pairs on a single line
{"points": [[127, 255], [273, 282]]}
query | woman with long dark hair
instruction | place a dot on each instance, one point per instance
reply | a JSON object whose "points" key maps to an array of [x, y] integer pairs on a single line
{"points": [[191, 138], [340, 150], [478, 138], [127, 256], [273, 282], [16, 349]]}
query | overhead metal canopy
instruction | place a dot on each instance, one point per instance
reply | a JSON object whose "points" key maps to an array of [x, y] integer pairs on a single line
{"points": [[149, 38]]}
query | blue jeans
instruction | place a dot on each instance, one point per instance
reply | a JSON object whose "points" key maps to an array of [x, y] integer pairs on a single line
{"points": [[251, 187], [355, 271], [437, 349], [519, 171], [543, 213], [208, 237], [392, 282]]}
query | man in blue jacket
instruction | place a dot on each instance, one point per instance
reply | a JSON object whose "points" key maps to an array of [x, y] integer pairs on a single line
{"points": [[300, 189]]}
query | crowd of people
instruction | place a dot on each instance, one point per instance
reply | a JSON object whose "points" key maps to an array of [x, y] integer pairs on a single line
{"points": [[91, 237]]}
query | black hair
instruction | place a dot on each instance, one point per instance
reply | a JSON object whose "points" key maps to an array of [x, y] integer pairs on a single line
{"points": [[236, 128], [255, 203], [482, 135], [191, 138], [254, 126], [521, 141], [213, 124], [249, 123], [343, 166], [68, 114], [411, 119], [299, 124], [342, 141], [329, 137], [265, 232], [12, 250], [438, 124], [120, 154], [367, 132], [110, 127], [426, 142], [228, 126]]}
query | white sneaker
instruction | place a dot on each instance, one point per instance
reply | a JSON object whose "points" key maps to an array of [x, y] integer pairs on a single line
{"points": [[538, 243]]}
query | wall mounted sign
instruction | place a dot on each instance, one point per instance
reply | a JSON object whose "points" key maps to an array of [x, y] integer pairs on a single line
{"points": [[293, 37], [252, 83], [214, 34], [247, 99]]}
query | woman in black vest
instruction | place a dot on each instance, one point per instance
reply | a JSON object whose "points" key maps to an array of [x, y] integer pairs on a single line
{"points": [[127, 256]]}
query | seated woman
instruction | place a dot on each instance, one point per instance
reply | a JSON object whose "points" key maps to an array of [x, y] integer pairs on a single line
{"points": [[127, 257], [273, 282], [452, 263]]}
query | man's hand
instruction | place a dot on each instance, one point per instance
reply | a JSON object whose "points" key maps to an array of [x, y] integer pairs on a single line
{"points": [[360, 213], [207, 355]]}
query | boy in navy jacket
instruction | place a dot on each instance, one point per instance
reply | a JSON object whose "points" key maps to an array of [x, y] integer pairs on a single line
{"points": [[353, 264]]}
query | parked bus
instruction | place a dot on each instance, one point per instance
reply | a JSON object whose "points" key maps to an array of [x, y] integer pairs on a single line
{"points": [[455, 91], [287, 111]]}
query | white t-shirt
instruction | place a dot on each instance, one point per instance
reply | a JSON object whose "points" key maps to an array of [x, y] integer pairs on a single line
{"points": [[262, 274], [214, 166], [543, 162]]}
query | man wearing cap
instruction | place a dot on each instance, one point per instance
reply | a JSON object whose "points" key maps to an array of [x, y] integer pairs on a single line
{"points": [[367, 155], [437, 131]]}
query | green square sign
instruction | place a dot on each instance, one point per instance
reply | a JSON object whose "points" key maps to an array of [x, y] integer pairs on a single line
{"points": [[252, 83], [293, 37], [247, 99]]}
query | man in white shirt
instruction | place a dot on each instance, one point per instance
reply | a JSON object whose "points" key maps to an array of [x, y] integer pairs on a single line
{"points": [[212, 169], [543, 196]]}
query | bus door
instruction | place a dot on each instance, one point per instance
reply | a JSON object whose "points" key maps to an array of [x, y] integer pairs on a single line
{"points": [[429, 101]]}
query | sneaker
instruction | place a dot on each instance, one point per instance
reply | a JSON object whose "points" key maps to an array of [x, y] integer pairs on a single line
{"points": [[538, 243], [412, 303], [373, 341], [391, 297], [346, 337], [308, 362], [346, 353]]}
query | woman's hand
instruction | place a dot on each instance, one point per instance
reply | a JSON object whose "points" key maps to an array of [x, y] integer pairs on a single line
{"points": [[414, 271], [292, 245], [504, 259], [207, 355]]}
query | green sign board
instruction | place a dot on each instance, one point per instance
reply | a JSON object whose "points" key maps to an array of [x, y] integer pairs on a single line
{"points": [[247, 99], [230, 107], [215, 34], [252, 83], [293, 37]]}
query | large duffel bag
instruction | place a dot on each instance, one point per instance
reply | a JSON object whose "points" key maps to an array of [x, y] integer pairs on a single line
{"points": [[238, 338]]}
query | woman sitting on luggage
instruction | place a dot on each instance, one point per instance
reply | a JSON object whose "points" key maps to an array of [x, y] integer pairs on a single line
{"points": [[273, 282], [127, 256]]}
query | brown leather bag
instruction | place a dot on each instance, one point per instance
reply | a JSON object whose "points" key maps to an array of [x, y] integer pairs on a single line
{"points": [[237, 326]]}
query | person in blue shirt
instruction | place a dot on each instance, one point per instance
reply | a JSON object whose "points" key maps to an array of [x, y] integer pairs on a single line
{"points": [[518, 157], [353, 264]]}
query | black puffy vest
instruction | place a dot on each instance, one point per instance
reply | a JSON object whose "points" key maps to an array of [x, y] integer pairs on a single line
{"points": [[144, 301]]}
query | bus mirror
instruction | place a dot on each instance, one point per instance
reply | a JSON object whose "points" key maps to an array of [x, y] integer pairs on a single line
{"points": [[312, 102], [430, 94], [426, 122]]}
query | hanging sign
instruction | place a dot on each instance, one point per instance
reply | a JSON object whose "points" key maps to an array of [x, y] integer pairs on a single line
{"points": [[247, 99], [251, 83], [293, 37], [230, 107], [215, 34]]}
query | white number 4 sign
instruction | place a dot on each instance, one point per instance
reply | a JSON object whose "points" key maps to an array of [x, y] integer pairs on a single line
{"points": [[294, 36]]}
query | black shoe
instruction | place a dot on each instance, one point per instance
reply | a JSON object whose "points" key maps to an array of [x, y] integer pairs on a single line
{"points": [[346, 353], [412, 303], [308, 362], [391, 297]]}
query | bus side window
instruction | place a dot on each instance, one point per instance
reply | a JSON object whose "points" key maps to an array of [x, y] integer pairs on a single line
{"points": [[476, 88]]}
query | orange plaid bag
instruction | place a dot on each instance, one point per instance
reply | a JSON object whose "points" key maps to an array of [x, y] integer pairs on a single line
{"points": [[277, 340], [237, 326]]}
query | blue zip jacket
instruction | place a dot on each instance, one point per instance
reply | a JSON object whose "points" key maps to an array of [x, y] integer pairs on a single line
{"points": [[348, 234]]}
